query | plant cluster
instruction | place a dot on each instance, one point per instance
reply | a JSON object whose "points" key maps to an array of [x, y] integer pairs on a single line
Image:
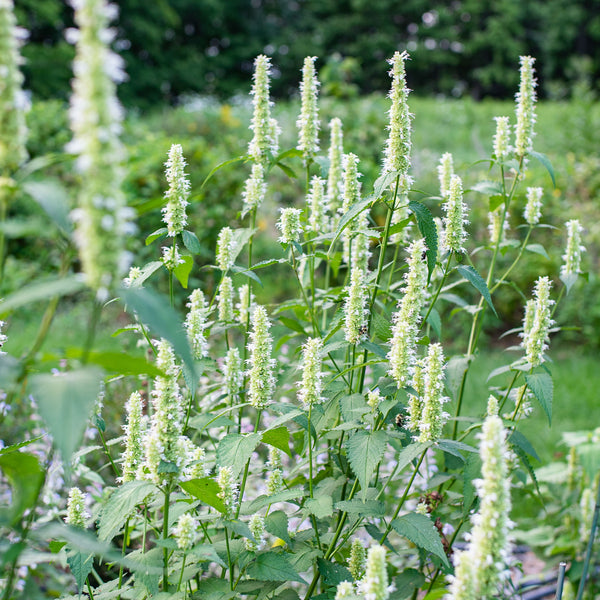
{"points": [[313, 447]]}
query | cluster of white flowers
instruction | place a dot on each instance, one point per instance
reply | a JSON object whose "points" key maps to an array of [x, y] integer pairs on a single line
{"points": [[308, 121], [261, 377], [455, 219], [311, 386], [537, 322], [102, 218], [526, 98], [335, 177], [407, 318], [135, 430], [264, 127], [228, 489], [574, 249], [289, 225], [226, 247], [196, 324], [176, 196], [533, 208], [255, 188]]}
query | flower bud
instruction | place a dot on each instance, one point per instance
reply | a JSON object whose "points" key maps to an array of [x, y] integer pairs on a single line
{"points": [[76, 513], [356, 563], [134, 437], [234, 375], [374, 585], [226, 247], [255, 189], [445, 171], [455, 220], [317, 206], [574, 249], [225, 300], [257, 529], [186, 531], [355, 307], [501, 138], [195, 324], [229, 489]]}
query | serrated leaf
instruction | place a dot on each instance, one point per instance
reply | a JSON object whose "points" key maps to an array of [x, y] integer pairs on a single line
{"points": [[65, 403], [332, 573], [353, 407], [368, 508], [156, 235], [248, 273], [121, 505], [375, 349], [382, 327], [206, 553], [43, 290], [383, 183], [183, 269], [410, 453], [518, 439], [477, 281], [279, 437], [155, 311], [455, 448], [365, 451], [321, 506], [54, 200], [542, 386], [283, 496], [239, 528], [428, 230], [419, 529], [406, 583], [26, 477], [235, 450], [276, 523], [191, 241], [81, 566], [271, 566], [220, 166], [207, 490], [545, 161]]}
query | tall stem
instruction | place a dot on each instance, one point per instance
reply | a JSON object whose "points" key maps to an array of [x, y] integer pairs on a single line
{"points": [[590, 547], [165, 532]]}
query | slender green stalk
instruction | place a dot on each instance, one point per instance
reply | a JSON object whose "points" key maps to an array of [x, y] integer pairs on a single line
{"points": [[562, 567], [590, 546], [91, 333], [123, 552], [309, 305], [439, 289], [4, 197], [403, 499], [89, 588], [514, 263], [246, 469], [229, 563], [165, 533], [310, 474], [181, 573], [115, 469]]}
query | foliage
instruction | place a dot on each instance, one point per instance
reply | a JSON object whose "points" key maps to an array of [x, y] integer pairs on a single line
{"points": [[254, 473]]}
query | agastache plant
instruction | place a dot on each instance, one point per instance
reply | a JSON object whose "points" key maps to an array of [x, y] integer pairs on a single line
{"points": [[261, 376], [537, 325], [135, 430], [196, 323], [533, 208], [502, 138], [316, 202], [102, 218], [310, 389], [455, 219], [573, 250], [525, 110]]}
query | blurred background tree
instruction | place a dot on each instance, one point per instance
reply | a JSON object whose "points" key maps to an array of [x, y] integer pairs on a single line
{"points": [[460, 47]]}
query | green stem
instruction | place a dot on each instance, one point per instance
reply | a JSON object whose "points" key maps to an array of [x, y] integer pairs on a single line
{"points": [[309, 305], [91, 334], [246, 469], [106, 451], [229, 563], [89, 588], [165, 532], [437, 293], [4, 197], [514, 263], [590, 547], [123, 552], [310, 474], [181, 574], [402, 500]]}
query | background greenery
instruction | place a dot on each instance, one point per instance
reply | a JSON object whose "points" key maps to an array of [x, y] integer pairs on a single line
{"points": [[464, 47]]}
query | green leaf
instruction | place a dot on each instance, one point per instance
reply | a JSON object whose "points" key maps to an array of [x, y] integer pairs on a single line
{"points": [[428, 230], [545, 162], [43, 290], [495, 202], [365, 451], [542, 386], [435, 321], [65, 403], [406, 583], [382, 326], [248, 273], [271, 566], [206, 553], [276, 523], [283, 496], [368, 508], [353, 211], [147, 270], [375, 349], [471, 471], [54, 200], [220, 166], [26, 477], [477, 281], [156, 312], [420, 530], [518, 439], [332, 573], [410, 453], [279, 438], [191, 241], [81, 566], [455, 370], [455, 448], [569, 280], [293, 325], [183, 269], [384, 182], [207, 490], [537, 249], [353, 407], [321, 506], [491, 188], [121, 505], [118, 362], [156, 235], [235, 450], [239, 528], [287, 170]]}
